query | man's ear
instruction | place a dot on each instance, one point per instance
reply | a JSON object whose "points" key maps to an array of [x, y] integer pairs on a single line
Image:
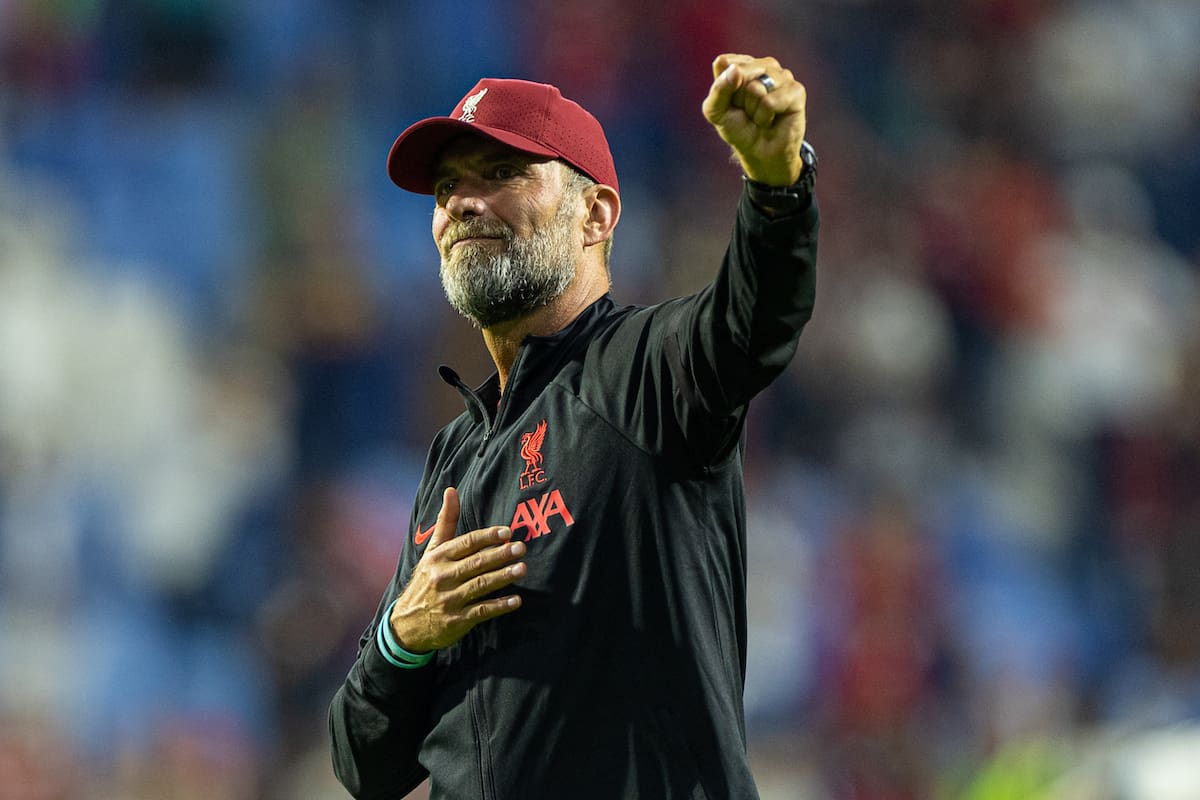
{"points": [[603, 211]]}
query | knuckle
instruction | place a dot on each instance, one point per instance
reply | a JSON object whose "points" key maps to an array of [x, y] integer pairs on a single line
{"points": [[480, 586], [472, 616], [423, 574], [441, 578]]}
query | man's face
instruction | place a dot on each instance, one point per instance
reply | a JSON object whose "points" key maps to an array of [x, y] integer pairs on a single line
{"points": [[508, 236]]}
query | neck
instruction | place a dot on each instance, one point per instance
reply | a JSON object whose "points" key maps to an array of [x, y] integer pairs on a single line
{"points": [[504, 339]]}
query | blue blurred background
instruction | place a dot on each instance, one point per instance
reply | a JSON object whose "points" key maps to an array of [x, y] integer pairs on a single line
{"points": [[974, 497]]}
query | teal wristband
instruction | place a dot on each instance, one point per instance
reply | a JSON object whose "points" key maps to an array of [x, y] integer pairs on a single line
{"points": [[396, 655], [383, 648]]}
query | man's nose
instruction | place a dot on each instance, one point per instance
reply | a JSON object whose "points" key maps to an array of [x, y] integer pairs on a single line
{"points": [[464, 203]]}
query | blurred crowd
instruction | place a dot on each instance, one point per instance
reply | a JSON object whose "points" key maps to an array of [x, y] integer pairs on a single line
{"points": [[974, 497]]}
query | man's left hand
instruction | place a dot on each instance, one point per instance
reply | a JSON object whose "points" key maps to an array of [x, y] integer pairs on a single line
{"points": [[763, 121]]}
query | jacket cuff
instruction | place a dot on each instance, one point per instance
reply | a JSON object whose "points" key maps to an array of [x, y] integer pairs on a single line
{"points": [[776, 202], [385, 679], [804, 219]]}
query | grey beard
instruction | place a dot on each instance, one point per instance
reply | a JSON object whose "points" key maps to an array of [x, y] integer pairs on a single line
{"points": [[489, 288]]}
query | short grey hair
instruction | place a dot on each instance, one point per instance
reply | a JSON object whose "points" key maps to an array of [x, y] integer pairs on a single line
{"points": [[576, 182]]}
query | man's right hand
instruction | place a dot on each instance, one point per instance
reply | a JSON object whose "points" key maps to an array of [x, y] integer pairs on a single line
{"points": [[442, 600]]}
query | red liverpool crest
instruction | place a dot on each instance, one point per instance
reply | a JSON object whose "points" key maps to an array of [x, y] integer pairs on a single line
{"points": [[531, 451]]}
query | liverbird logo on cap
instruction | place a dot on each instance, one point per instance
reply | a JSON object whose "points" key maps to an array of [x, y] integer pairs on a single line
{"points": [[470, 104]]}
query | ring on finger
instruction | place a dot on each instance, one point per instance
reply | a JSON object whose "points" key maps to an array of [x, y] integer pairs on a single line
{"points": [[767, 81]]}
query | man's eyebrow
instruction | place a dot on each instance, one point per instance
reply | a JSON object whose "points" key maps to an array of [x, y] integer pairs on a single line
{"points": [[454, 165]]}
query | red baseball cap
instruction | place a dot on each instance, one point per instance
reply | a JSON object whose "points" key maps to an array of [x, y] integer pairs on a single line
{"points": [[530, 117]]}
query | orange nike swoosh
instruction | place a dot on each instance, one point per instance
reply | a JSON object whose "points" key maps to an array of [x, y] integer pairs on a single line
{"points": [[421, 535]]}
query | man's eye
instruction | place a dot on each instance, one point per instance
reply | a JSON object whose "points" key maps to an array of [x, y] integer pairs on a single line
{"points": [[443, 188], [504, 172]]}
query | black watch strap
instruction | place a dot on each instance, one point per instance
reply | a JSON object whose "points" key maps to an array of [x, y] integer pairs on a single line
{"points": [[781, 200]]}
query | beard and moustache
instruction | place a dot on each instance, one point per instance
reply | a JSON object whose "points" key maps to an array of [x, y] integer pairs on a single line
{"points": [[488, 286]]}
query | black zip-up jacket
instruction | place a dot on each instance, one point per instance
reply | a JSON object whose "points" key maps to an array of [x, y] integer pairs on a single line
{"points": [[615, 455]]}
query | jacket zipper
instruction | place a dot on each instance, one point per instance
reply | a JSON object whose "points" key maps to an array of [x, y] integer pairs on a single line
{"points": [[503, 406], [487, 781]]}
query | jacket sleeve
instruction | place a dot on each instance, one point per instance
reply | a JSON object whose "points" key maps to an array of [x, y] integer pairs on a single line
{"points": [[379, 717], [730, 340]]}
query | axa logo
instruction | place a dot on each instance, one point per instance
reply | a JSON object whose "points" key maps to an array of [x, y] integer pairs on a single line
{"points": [[531, 451], [534, 515], [471, 104]]}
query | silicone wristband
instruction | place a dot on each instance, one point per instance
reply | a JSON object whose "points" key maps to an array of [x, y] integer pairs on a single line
{"points": [[396, 655]]}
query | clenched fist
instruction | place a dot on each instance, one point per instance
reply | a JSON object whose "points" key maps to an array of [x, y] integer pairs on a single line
{"points": [[758, 108]]}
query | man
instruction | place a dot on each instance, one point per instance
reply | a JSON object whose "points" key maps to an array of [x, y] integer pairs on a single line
{"points": [[567, 619]]}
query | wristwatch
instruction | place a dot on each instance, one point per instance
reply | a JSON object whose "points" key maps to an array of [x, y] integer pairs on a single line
{"points": [[779, 200]]}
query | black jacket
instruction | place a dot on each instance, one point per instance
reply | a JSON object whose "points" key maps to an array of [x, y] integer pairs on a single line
{"points": [[615, 454]]}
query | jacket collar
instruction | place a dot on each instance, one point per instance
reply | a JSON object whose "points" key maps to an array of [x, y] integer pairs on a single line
{"points": [[537, 358]]}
